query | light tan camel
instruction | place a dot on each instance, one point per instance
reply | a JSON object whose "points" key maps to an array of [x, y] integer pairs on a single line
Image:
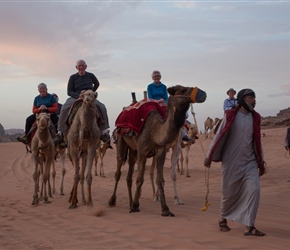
{"points": [[155, 135], [191, 133], [83, 139], [100, 153], [209, 126], [176, 154], [42, 151]]}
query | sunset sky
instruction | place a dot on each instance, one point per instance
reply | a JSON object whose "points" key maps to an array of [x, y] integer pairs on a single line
{"points": [[214, 45]]}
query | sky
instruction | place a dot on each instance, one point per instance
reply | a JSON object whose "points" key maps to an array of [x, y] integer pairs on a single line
{"points": [[213, 45]]}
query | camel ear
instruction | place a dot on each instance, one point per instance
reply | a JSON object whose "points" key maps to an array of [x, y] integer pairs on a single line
{"points": [[96, 94], [172, 90]]}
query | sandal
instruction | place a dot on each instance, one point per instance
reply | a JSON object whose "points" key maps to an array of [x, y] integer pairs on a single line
{"points": [[223, 224], [252, 231]]}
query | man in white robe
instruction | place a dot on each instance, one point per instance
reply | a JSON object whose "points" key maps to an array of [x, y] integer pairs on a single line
{"points": [[237, 144]]}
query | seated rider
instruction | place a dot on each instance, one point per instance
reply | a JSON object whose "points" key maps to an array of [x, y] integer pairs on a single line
{"points": [[157, 90], [44, 102], [59, 105], [82, 80]]}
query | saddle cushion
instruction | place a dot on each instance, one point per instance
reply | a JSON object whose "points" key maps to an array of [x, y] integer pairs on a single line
{"points": [[134, 116]]}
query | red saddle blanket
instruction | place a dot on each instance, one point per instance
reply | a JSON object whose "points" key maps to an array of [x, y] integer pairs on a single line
{"points": [[134, 116]]}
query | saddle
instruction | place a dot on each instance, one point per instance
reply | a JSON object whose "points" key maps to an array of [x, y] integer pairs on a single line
{"points": [[74, 109]]}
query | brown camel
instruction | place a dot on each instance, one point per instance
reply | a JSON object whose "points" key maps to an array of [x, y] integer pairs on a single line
{"points": [[176, 152], [83, 139], [100, 153], [42, 151], [155, 135]]}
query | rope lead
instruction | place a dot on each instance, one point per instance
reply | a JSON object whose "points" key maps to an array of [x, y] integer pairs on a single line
{"points": [[206, 173]]}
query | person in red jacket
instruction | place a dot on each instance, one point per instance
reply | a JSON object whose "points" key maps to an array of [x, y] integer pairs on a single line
{"points": [[44, 102], [237, 144]]}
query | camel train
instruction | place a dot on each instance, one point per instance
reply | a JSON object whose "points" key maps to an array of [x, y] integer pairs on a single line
{"points": [[83, 140], [157, 132]]}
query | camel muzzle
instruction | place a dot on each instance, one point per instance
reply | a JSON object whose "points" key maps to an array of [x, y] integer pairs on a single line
{"points": [[197, 95]]}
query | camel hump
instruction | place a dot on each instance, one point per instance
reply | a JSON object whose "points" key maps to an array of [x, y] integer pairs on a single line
{"points": [[72, 111]]}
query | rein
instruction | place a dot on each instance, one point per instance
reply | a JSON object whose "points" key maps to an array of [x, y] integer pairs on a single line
{"points": [[206, 170]]}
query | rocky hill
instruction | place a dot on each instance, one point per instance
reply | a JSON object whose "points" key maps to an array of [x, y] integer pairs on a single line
{"points": [[9, 135], [282, 119]]}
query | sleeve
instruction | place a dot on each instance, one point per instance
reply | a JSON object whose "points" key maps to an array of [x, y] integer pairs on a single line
{"points": [[165, 94], [225, 104], [149, 92], [96, 82], [53, 108], [35, 109], [70, 88]]}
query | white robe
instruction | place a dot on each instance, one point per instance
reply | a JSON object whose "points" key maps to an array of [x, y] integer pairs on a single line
{"points": [[240, 178]]}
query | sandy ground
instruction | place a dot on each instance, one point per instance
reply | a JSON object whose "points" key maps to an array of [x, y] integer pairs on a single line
{"points": [[54, 226]]}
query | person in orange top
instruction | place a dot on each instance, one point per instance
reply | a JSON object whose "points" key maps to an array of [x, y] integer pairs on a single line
{"points": [[44, 102]]}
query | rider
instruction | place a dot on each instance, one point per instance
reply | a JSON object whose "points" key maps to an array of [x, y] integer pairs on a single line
{"points": [[82, 80], [44, 102]]}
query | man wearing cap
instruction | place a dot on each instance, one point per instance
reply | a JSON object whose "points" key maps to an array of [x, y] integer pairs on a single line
{"points": [[237, 144], [230, 102]]}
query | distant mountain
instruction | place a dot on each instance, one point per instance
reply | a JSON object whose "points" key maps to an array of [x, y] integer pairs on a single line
{"points": [[13, 131], [9, 135]]}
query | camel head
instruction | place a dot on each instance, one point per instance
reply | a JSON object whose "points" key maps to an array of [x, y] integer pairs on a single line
{"points": [[42, 120], [88, 97], [195, 94]]}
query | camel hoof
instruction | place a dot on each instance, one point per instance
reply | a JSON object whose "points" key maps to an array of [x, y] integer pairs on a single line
{"points": [[61, 192], [168, 214], [73, 206], [112, 202], [178, 202], [187, 175], [35, 201], [135, 210], [46, 201]]}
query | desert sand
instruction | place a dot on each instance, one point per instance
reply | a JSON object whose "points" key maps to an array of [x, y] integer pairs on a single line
{"points": [[55, 226]]}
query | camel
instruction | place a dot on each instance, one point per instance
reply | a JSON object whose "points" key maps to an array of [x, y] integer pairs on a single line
{"points": [[83, 138], [209, 126], [100, 153], [177, 153], [42, 152], [192, 133], [154, 137]]}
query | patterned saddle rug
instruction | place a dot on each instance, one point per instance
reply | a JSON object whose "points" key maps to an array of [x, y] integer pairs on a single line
{"points": [[134, 116]]}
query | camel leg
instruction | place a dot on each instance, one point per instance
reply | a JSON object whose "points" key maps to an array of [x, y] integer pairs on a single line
{"points": [[186, 159], [139, 182], [63, 171], [181, 171], [176, 150], [73, 197], [151, 174], [122, 149], [35, 176], [45, 179], [89, 176], [53, 174], [82, 176], [160, 159], [132, 161], [96, 161], [102, 173]]}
